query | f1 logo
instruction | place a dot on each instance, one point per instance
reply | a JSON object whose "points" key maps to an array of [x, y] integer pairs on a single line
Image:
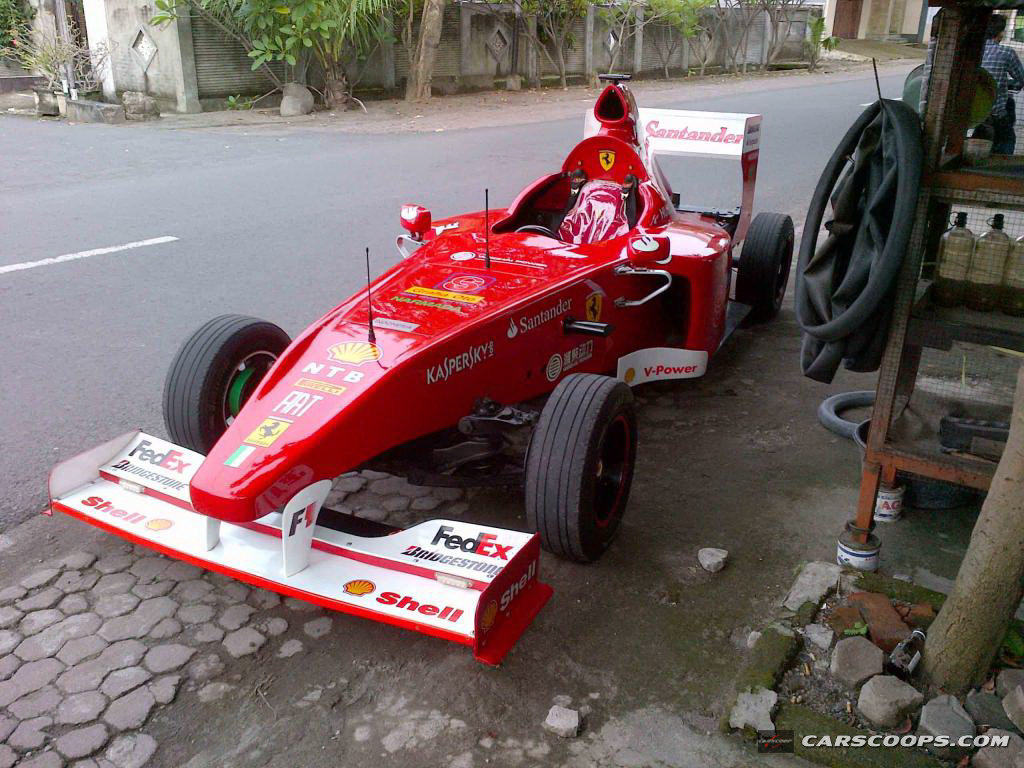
{"points": [[306, 515]]}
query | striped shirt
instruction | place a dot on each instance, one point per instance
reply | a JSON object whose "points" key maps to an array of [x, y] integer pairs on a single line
{"points": [[1004, 66]]}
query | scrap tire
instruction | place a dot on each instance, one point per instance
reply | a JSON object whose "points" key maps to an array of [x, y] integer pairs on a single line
{"points": [[213, 374], [579, 466], [764, 265]]}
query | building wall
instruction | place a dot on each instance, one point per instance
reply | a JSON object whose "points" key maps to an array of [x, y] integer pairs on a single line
{"points": [[882, 19], [467, 56]]}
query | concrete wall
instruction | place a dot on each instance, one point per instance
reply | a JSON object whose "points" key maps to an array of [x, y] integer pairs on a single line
{"points": [[467, 55], [883, 19], [169, 74]]}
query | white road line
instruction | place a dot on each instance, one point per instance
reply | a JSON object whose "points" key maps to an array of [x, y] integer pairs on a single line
{"points": [[85, 254]]}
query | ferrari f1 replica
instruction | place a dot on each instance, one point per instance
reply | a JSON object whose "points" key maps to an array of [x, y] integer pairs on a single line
{"points": [[482, 357]]}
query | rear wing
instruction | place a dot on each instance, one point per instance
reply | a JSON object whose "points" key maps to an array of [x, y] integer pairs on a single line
{"points": [[715, 135]]}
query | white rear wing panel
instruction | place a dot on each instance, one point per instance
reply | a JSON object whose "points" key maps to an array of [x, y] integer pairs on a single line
{"points": [[715, 135], [686, 132]]}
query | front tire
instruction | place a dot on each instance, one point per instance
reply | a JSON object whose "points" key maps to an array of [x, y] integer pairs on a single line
{"points": [[764, 266], [214, 373], [579, 466]]}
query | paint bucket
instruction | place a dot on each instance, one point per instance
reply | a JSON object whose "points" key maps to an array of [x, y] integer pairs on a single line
{"points": [[889, 504], [852, 553]]}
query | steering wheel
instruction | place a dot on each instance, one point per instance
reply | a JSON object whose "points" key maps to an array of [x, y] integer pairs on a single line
{"points": [[537, 229]]}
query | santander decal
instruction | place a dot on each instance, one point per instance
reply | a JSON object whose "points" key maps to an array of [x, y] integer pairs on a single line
{"points": [[721, 136]]}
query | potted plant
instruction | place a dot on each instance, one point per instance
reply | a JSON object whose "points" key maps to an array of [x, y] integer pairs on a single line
{"points": [[50, 57]]}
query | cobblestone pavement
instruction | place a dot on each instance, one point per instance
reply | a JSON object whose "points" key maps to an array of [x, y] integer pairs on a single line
{"points": [[93, 643]]}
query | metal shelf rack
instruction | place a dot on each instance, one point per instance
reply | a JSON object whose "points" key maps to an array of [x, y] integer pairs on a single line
{"points": [[917, 324]]}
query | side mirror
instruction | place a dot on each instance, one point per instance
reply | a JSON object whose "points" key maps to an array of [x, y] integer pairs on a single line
{"points": [[645, 249], [416, 220]]}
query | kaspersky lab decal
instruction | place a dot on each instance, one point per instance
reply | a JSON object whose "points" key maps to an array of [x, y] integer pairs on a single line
{"points": [[461, 362]]}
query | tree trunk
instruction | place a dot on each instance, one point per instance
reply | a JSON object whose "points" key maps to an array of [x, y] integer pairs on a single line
{"points": [[969, 630], [422, 71], [561, 65]]}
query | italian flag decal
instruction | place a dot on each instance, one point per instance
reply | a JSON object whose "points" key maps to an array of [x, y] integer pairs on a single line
{"points": [[238, 458]]}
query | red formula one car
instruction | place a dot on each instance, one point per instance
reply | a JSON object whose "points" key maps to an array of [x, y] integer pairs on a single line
{"points": [[436, 372]]}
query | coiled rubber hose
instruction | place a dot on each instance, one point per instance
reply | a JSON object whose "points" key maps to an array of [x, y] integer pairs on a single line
{"points": [[844, 288], [831, 407]]}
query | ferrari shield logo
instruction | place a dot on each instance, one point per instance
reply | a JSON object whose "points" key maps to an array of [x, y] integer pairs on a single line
{"points": [[593, 304], [607, 159], [267, 432]]}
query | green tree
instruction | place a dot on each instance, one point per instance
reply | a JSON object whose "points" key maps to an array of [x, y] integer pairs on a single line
{"points": [[818, 41], [424, 54], [337, 34], [15, 18], [675, 21]]}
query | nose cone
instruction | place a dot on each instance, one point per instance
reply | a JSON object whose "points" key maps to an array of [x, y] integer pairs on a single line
{"points": [[240, 498]]}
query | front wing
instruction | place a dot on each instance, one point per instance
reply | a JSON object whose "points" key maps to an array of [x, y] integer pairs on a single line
{"points": [[467, 583]]}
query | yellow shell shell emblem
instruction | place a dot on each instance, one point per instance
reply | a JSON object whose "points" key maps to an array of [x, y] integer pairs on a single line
{"points": [[159, 524], [360, 587], [630, 375], [355, 352], [489, 615]]}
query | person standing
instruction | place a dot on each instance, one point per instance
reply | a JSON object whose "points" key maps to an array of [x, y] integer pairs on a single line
{"points": [[1002, 63]]}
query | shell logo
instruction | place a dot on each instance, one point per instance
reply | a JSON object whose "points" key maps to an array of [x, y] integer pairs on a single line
{"points": [[630, 375], [489, 615], [159, 524], [360, 587], [355, 352]]}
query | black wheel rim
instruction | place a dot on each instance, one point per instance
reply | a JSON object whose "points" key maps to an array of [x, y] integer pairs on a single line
{"points": [[612, 472], [243, 381]]}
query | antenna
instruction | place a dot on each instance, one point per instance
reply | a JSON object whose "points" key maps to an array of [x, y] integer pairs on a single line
{"points": [[371, 336], [487, 228], [878, 86]]}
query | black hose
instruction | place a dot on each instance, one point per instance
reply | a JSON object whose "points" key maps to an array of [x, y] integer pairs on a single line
{"points": [[844, 288], [831, 407]]}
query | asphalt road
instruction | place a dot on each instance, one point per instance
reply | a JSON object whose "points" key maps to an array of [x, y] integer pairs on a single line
{"points": [[270, 223]]}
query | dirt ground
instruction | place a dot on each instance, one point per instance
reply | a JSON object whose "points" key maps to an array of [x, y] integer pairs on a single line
{"points": [[487, 108]]}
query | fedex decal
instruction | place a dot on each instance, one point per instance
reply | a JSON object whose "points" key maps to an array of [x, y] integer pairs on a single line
{"points": [[660, 363], [485, 544], [168, 460]]}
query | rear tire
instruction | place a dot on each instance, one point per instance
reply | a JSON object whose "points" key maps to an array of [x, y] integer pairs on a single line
{"points": [[764, 266], [214, 373], [579, 466]]}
